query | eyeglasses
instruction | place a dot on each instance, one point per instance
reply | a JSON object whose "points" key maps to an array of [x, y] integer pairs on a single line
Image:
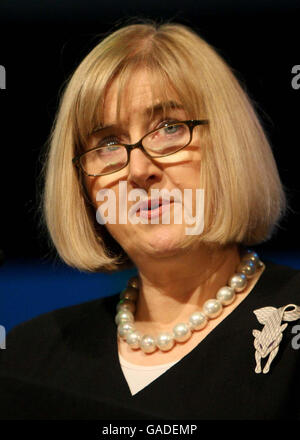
{"points": [[110, 156]]}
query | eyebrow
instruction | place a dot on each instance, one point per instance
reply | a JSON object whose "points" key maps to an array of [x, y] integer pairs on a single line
{"points": [[156, 109]]}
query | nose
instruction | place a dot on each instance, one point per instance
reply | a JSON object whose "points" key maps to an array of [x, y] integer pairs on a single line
{"points": [[142, 170]]}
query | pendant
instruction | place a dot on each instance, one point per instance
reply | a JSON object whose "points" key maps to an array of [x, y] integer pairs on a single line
{"points": [[266, 341]]}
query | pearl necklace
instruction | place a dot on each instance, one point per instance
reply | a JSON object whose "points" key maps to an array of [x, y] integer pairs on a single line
{"points": [[211, 309]]}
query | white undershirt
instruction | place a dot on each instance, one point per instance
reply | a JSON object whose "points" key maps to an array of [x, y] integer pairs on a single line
{"points": [[139, 376]]}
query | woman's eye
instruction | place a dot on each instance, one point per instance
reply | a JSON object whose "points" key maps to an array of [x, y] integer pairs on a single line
{"points": [[171, 129], [169, 122], [108, 140]]}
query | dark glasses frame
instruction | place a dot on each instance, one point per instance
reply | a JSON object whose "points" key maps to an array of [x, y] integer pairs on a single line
{"points": [[129, 147]]}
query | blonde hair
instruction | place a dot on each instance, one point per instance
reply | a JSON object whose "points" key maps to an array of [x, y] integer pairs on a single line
{"points": [[244, 198]]}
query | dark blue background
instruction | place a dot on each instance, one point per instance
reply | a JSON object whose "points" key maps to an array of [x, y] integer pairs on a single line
{"points": [[43, 42]]}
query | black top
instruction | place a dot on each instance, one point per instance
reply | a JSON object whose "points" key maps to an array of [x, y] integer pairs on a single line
{"points": [[64, 365]]}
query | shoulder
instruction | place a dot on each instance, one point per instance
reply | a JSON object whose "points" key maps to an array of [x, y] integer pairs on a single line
{"points": [[281, 282], [58, 319], [50, 331], [277, 286]]}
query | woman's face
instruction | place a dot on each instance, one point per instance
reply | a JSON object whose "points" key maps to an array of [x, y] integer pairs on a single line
{"points": [[178, 171]]}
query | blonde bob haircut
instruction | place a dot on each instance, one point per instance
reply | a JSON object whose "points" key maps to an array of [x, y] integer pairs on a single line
{"points": [[244, 197]]}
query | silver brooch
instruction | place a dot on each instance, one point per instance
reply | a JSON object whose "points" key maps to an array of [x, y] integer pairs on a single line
{"points": [[266, 341]]}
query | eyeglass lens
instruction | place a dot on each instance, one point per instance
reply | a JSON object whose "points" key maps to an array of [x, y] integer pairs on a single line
{"points": [[112, 156]]}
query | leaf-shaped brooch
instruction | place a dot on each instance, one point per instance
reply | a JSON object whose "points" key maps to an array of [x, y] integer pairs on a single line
{"points": [[266, 341]]}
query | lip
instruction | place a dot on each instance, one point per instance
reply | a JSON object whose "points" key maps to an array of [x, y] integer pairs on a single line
{"points": [[153, 213], [143, 208], [145, 205]]}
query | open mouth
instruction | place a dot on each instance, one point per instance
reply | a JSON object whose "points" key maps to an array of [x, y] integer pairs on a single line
{"points": [[151, 206], [154, 210]]}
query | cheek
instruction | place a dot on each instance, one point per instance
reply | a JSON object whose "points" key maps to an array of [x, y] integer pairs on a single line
{"points": [[187, 166], [95, 186], [188, 176], [106, 204]]}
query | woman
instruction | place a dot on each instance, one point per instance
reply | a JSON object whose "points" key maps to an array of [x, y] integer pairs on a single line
{"points": [[154, 107]]}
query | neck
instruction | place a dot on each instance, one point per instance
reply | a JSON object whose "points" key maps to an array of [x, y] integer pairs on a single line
{"points": [[172, 288]]}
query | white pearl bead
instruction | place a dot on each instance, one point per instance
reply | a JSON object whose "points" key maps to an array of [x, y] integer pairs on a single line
{"points": [[226, 295], [198, 320], [247, 267], [182, 332], [129, 293], [124, 328], [238, 282], [133, 339], [148, 344], [125, 304], [251, 255], [124, 316], [212, 308], [165, 341]]}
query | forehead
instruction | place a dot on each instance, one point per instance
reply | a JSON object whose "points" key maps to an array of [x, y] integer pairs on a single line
{"points": [[141, 95]]}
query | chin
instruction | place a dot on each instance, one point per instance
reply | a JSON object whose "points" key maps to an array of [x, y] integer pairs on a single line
{"points": [[165, 240]]}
